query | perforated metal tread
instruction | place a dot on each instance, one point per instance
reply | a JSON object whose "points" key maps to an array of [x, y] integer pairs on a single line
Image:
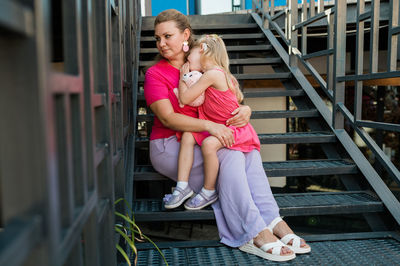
{"points": [[373, 251], [284, 114], [263, 76], [268, 92], [309, 167], [273, 169], [293, 204], [297, 137], [208, 26]]}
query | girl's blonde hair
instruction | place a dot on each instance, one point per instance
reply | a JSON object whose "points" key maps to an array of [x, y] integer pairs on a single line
{"points": [[213, 47]]}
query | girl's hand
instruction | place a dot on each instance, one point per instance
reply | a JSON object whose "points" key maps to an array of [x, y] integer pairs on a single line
{"points": [[241, 116], [184, 69], [222, 133]]}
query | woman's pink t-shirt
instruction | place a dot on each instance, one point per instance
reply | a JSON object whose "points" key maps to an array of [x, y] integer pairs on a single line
{"points": [[159, 84]]}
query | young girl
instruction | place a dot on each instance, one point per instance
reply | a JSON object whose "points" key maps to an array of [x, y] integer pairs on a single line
{"points": [[222, 96], [182, 190]]}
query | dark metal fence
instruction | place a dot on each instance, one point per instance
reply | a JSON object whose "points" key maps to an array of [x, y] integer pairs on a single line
{"points": [[336, 20], [66, 71]]}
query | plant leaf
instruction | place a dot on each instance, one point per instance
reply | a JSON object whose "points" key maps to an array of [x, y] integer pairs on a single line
{"points": [[154, 244], [126, 237], [123, 253], [127, 219]]}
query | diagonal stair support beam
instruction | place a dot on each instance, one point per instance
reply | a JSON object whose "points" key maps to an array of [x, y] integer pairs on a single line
{"points": [[349, 181], [387, 197]]}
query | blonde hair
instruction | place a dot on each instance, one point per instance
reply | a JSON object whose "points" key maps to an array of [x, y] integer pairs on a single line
{"points": [[214, 49]]}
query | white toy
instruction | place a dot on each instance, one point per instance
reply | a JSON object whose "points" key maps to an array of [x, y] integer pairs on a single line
{"points": [[190, 79]]}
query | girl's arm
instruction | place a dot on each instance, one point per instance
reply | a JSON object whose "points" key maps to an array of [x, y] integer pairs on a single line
{"points": [[187, 96], [165, 112]]}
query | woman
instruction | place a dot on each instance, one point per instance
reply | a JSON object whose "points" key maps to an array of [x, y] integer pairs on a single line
{"points": [[246, 212]]}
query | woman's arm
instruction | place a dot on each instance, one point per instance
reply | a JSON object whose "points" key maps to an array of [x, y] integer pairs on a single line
{"points": [[241, 116], [165, 112]]}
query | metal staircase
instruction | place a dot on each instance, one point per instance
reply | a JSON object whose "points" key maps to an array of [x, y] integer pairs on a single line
{"points": [[249, 44]]}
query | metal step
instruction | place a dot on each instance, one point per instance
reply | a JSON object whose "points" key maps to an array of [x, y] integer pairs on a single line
{"points": [[279, 138], [256, 61], [263, 76], [258, 114], [244, 36], [292, 204], [297, 137], [239, 48], [310, 167], [207, 26], [212, 26], [268, 92], [274, 169], [244, 61], [365, 248], [284, 114]]}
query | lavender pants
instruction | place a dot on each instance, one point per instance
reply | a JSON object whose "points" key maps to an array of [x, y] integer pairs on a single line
{"points": [[246, 204]]}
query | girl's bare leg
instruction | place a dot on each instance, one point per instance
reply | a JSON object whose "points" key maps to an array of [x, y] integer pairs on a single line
{"points": [[209, 148], [182, 190], [185, 160]]}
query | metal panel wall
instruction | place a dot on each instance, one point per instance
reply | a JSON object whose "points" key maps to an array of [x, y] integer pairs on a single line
{"points": [[64, 125]]}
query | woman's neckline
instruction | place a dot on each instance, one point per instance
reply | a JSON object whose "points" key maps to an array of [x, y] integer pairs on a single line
{"points": [[169, 63]]}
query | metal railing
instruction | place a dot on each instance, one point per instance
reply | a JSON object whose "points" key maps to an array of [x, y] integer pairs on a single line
{"points": [[333, 86]]}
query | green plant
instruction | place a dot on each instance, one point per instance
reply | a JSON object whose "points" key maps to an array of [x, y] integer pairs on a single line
{"points": [[128, 233]]}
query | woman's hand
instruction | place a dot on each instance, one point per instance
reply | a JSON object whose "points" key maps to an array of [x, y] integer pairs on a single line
{"points": [[222, 133], [184, 69], [241, 116]]}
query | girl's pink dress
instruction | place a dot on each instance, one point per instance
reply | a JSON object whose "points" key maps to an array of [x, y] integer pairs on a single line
{"points": [[217, 107]]}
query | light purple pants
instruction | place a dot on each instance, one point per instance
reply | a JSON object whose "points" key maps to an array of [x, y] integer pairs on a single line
{"points": [[246, 204]]}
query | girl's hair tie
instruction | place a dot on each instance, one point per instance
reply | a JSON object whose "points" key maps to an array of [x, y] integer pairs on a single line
{"points": [[204, 46]]}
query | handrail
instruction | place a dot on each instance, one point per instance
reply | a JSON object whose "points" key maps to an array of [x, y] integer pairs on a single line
{"points": [[280, 13], [378, 125], [379, 75], [314, 19], [319, 53], [380, 155]]}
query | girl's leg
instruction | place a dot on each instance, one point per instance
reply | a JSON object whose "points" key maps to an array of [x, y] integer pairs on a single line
{"points": [[164, 158], [209, 149], [182, 190], [207, 195], [186, 153]]}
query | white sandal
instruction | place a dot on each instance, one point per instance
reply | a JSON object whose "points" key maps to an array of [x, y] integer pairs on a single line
{"points": [[295, 246], [276, 246]]}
